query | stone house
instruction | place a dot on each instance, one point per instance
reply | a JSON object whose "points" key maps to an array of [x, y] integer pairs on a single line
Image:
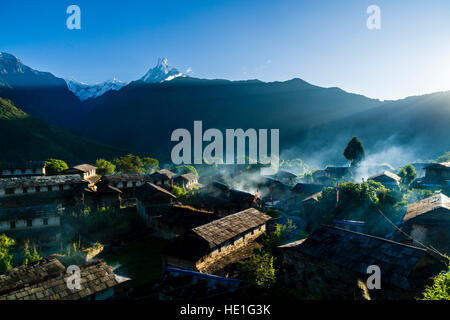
{"points": [[22, 168], [47, 279], [103, 196], [285, 177], [150, 197], [222, 200], [437, 175], [186, 180], [388, 179], [127, 183], [301, 191], [36, 223], [428, 221], [162, 177], [206, 244], [335, 261], [168, 221], [87, 172], [31, 206]]}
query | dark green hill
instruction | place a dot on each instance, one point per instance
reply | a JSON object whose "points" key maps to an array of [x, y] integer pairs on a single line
{"points": [[142, 116], [26, 138]]}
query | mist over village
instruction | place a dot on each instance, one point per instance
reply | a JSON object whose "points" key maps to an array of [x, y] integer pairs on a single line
{"points": [[230, 179]]}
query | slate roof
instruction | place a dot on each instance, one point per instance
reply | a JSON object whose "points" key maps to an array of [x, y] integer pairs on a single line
{"points": [[116, 178], [338, 170], [221, 230], [187, 176], [386, 174], [47, 280], [439, 165], [35, 181], [163, 173], [152, 188], [84, 167], [10, 165], [356, 251], [439, 201]]}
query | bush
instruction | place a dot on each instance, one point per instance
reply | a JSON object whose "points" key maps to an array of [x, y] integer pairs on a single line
{"points": [[440, 289], [55, 166], [258, 270]]}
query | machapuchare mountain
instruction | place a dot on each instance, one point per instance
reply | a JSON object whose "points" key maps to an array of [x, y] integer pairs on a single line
{"points": [[25, 138], [313, 121]]}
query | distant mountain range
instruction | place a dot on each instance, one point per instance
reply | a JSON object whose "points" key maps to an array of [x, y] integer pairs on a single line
{"points": [[314, 122], [160, 73]]}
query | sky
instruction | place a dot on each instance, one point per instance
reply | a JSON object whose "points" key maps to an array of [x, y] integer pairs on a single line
{"points": [[326, 43]]}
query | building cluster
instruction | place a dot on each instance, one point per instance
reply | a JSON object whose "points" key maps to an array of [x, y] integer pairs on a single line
{"points": [[222, 227]]}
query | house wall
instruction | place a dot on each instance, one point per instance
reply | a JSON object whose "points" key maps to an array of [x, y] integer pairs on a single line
{"points": [[46, 188], [21, 224], [443, 173], [229, 246]]}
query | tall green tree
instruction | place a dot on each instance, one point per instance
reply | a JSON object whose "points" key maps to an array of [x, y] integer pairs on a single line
{"points": [[104, 167], [55, 166], [354, 151], [6, 257], [408, 174]]}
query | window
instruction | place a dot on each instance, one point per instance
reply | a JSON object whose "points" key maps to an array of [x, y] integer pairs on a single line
{"points": [[38, 189], [61, 188], [25, 190], [9, 191], [45, 221], [29, 222], [12, 224]]}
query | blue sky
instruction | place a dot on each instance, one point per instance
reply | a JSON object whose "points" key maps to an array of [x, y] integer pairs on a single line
{"points": [[323, 42]]}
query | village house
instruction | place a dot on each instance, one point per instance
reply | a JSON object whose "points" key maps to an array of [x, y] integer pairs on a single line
{"points": [[22, 168], [36, 223], [222, 200], [301, 191], [104, 196], [285, 177], [31, 206], [127, 183], [427, 222], [437, 175], [86, 171], [209, 243], [336, 174], [47, 279], [270, 189], [150, 197], [388, 179], [186, 180], [170, 221], [162, 177], [334, 262]]}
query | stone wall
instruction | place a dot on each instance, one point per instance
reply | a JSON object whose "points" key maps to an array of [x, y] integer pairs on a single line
{"points": [[229, 246]]}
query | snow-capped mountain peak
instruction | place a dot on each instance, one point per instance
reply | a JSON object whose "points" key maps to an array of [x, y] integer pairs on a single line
{"points": [[162, 72], [86, 91]]}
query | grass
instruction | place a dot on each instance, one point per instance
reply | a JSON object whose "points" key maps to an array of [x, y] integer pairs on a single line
{"points": [[141, 260]]}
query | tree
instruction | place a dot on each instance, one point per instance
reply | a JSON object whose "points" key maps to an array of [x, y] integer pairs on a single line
{"points": [[6, 257], [55, 166], [184, 169], [129, 164], [29, 257], [354, 151], [258, 270], [104, 167], [150, 165], [408, 175]]}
